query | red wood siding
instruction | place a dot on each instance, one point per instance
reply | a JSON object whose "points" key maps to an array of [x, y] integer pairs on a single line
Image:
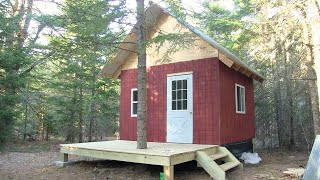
{"points": [[128, 124], [235, 127], [205, 100]]}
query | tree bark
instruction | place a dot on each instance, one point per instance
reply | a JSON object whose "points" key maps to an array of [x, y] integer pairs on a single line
{"points": [[80, 110], [80, 114], [71, 128], [312, 79], [41, 119], [277, 100], [93, 94], [47, 132], [280, 111], [26, 113], [142, 79], [92, 112], [290, 99], [314, 21]]}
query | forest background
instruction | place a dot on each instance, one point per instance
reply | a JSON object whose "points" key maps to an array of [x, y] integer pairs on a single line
{"points": [[51, 57]]}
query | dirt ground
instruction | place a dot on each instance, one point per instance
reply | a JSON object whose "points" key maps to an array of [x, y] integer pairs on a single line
{"points": [[40, 165]]}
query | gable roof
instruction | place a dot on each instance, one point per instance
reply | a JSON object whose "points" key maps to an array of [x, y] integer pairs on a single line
{"points": [[114, 67]]}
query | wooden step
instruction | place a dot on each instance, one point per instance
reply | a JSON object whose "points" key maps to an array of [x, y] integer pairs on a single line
{"points": [[218, 156], [229, 165]]}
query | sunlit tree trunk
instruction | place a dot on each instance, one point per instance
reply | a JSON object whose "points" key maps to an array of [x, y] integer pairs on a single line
{"points": [[92, 116], [289, 107], [142, 78], [80, 114], [80, 109], [311, 76], [40, 115], [313, 16]]}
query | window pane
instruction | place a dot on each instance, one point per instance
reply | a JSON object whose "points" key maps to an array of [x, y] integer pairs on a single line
{"points": [[185, 84], [174, 86], [184, 105], [184, 94], [134, 95], [174, 105], [179, 96], [174, 95], [240, 96], [179, 105], [179, 84], [242, 100], [238, 99], [134, 108]]}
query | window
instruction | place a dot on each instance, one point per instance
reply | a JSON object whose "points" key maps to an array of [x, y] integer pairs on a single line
{"points": [[179, 95], [240, 99], [134, 102]]}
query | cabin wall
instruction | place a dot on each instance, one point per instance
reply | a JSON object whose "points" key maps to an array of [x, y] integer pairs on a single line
{"points": [[205, 99], [235, 127], [128, 124]]}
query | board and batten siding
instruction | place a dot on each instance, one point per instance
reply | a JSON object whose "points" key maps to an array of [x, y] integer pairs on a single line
{"points": [[235, 127], [128, 124], [205, 99], [209, 102]]}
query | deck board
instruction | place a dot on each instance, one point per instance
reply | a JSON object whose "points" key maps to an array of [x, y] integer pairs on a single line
{"points": [[154, 148]]}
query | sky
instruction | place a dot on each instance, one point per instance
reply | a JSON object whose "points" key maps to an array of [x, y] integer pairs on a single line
{"points": [[48, 7], [194, 5]]}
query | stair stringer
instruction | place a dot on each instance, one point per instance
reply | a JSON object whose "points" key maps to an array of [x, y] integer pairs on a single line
{"points": [[216, 171], [210, 166], [230, 157]]}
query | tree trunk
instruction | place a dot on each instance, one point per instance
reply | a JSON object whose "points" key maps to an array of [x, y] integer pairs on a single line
{"points": [[142, 78], [26, 114], [92, 112], [41, 130], [70, 133], [47, 132], [277, 100], [25, 121], [80, 109], [71, 128], [311, 79], [41, 120], [278, 97], [314, 21], [24, 30], [80, 114], [93, 94], [290, 99]]}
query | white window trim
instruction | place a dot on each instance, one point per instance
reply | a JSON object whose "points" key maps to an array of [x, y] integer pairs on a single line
{"points": [[244, 99], [131, 104]]}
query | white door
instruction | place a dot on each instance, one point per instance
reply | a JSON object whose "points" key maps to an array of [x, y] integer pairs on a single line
{"points": [[179, 109]]}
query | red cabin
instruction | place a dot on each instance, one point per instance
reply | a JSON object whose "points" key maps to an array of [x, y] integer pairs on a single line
{"points": [[202, 95]]}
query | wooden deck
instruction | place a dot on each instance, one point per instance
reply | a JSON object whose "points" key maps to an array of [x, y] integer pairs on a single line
{"points": [[163, 154]]}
